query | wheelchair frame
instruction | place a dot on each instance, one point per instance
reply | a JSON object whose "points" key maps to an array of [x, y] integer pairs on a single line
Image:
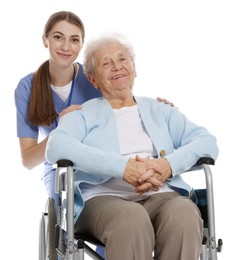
{"points": [[54, 241]]}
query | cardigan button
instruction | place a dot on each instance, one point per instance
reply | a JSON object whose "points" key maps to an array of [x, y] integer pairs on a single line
{"points": [[162, 153]]}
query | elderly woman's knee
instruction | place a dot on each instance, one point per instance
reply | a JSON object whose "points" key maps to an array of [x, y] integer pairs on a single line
{"points": [[181, 211]]}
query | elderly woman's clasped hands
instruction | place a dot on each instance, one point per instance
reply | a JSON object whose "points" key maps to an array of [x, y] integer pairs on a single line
{"points": [[147, 174]]}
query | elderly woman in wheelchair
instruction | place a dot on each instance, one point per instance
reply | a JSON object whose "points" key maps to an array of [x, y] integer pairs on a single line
{"points": [[129, 153]]}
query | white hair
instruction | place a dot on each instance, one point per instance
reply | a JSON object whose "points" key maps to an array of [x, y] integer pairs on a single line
{"points": [[93, 45]]}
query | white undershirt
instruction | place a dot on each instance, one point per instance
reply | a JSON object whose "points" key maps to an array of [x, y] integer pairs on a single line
{"points": [[133, 140], [62, 92], [133, 137]]}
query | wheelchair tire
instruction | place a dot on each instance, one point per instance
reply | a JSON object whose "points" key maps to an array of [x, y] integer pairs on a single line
{"points": [[47, 250]]}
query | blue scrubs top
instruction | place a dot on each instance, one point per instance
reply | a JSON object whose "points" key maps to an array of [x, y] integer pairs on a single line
{"points": [[82, 91]]}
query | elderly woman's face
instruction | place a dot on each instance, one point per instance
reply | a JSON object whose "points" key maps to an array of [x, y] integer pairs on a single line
{"points": [[114, 71]]}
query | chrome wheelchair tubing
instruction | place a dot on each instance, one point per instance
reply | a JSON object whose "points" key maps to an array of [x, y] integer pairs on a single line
{"points": [[211, 214], [70, 218]]}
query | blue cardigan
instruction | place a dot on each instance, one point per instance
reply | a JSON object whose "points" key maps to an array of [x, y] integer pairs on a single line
{"points": [[89, 139]]}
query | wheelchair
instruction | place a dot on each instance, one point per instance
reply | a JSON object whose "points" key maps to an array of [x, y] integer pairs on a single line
{"points": [[56, 233]]}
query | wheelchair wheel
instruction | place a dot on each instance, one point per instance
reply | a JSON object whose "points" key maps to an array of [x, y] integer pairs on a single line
{"points": [[47, 250]]}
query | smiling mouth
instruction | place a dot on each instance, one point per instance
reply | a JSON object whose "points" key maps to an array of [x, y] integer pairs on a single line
{"points": [[118, 76], [64, 54]]}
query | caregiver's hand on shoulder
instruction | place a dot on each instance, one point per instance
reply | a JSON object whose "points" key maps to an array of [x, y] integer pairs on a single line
{"points": [[164, 100], [69, 109]]}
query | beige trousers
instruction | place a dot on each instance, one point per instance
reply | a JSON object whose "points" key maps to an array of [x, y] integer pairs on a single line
{"points": [[165, 225]]}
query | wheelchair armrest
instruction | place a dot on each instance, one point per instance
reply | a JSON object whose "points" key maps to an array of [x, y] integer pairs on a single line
{"points": [[64, 163], [205, 160], [59, 176]]}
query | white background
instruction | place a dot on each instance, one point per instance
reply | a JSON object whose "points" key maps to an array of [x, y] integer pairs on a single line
{"points": [[190, 52]]}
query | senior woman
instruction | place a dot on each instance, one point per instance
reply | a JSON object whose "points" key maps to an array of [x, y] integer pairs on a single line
{"points": [[129, 153]]}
